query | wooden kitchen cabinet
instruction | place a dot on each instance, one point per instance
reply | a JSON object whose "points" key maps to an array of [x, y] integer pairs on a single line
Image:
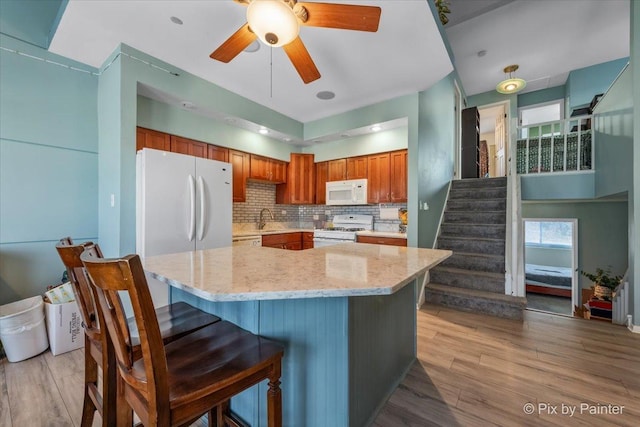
{"points": [[147, 138], [266, 169], [322, 171], [391, 241], [240, 163], [357, 167], [217, 153], [337, 170], [398, 176], [307, 240], [188, 146], [290, 241], [300, 186], [378, 174]]}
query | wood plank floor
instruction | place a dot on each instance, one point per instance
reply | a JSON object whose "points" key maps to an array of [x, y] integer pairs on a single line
{"points": [[472, 370]]}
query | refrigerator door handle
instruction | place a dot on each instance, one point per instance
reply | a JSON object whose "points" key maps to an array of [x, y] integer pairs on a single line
{"points": [[203, 209], [192, 216]]}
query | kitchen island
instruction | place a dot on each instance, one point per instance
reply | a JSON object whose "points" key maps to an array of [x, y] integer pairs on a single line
{"points": [[345, 313]]}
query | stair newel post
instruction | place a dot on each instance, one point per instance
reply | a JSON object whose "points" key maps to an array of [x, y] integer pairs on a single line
{"points": [[514, 257]]}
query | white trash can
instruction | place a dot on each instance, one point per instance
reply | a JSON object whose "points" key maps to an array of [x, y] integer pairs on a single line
{"points": [[22, 329]]}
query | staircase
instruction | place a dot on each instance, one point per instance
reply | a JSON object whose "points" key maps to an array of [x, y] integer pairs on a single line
{"points": [[473, 227]]}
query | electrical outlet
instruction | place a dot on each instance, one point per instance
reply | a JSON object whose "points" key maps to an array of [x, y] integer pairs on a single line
{"points": [[327, 212], [316, 217], [284, 213]]}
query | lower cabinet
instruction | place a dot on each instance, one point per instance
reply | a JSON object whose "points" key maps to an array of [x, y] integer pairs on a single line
{"points": [[292, 241], [392, 241]]}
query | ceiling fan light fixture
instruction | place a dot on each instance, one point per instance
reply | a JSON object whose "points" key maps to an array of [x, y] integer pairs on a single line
{"points": [[273, 21], [511, 84]]}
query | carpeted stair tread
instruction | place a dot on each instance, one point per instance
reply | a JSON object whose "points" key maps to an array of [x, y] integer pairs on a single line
{"points": [[486, 274], [475, 262], [477, 204], [480, 182], [453, 229], [476, 301]]}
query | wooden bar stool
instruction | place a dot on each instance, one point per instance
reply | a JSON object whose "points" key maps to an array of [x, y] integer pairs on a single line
{"points": [[176, 320], [177, 383]]}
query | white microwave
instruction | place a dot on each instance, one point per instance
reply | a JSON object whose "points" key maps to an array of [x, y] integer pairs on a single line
{"points": [[351, 192]]}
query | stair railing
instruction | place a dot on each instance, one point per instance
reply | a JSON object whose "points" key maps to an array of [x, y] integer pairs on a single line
{"points": [[556, 146], [514, 253]]}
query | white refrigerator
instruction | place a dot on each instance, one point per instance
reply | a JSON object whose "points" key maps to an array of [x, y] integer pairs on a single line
{"points": [[183, 203]]}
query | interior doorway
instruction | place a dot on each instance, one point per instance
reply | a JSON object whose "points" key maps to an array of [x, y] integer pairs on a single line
{"points": [[551, 263], [494, 130]]}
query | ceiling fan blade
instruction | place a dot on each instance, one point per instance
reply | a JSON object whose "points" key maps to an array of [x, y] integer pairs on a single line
{"points": [[343, 16], [299, 56], [234, 44]]}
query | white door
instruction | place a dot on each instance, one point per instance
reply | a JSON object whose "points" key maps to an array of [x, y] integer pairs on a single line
{"points": [[500, 138], [165, 203], [214, 204]]}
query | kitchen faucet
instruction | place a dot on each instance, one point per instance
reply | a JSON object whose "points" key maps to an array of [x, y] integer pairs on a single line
{"points": [[262, 222]]}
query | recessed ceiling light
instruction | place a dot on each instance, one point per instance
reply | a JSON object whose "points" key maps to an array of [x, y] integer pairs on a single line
{"points": [[345, 135], [376, 128], [188, 105], [253, 47], [325, 95], [263, 131], [286, 139], [176, 20]]}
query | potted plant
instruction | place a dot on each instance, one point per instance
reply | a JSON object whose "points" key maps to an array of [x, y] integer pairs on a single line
{"points": [[604, 283]]}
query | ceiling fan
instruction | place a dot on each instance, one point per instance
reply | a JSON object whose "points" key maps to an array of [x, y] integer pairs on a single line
{"points": [[277, 23]]}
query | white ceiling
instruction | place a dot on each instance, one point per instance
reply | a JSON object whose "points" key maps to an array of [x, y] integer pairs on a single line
{"points": [[405, 56], [547, 38]]}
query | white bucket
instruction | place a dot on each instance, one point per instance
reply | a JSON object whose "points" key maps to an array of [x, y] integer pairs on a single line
{"points": [[22, 329]]}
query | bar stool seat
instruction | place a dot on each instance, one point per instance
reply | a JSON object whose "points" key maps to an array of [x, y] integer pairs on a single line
{"points": [[175, 321], [177, 383]]}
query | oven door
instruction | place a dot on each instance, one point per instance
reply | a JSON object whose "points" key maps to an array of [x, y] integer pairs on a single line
{"points": [[319, 242]]}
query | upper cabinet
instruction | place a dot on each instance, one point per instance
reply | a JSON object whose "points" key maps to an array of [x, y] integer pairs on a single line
{"points": [[240, 167], [357, 167], [322, 173], [337, 170], [300, 187], [398, 176], [147, 138], [266, 169], [379, 179], [188, 146], [217, 153]]}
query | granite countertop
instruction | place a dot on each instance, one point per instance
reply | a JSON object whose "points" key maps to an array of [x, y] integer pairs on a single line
{"points": [[246, 273]]}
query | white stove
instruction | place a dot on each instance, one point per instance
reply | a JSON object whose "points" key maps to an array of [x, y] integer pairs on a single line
{"points": [[343, 230]]}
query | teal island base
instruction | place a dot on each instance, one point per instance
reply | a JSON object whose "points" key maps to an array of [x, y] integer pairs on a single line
{"points": [[344, 356]]}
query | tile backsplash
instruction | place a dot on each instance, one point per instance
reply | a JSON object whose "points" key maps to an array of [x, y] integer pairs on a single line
{"points": [[263, 195]]}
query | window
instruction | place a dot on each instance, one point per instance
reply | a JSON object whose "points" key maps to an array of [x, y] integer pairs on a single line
{"points": [[548, 233], [542, 113]]}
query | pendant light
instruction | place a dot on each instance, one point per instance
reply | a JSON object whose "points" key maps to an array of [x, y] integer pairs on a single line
{"points": [[512, 84]]}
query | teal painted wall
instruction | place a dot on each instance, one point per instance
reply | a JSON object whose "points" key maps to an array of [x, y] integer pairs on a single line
{"points": [[48, 165], [634, 198], [570, 186], [177, 121], [583, 84], [435, 160], [32, 21], [540, 96], [602, 232], [613, 129], [393, 139]]}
